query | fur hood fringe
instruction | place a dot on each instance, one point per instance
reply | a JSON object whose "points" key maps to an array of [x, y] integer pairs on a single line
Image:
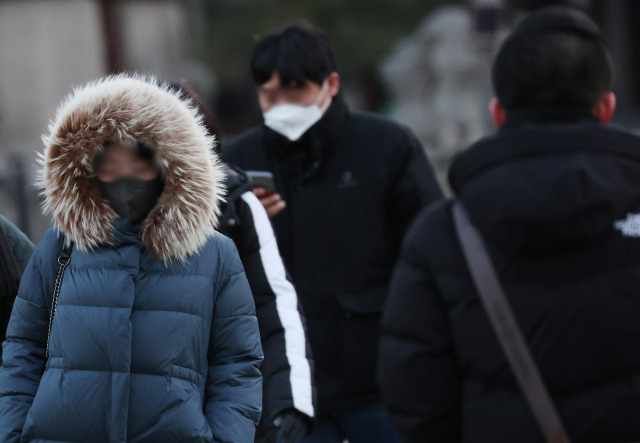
{"points": [[123, 109]]}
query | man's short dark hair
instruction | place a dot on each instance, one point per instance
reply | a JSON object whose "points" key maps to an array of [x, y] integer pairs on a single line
{"points": [[298, 53], [555, 56]]}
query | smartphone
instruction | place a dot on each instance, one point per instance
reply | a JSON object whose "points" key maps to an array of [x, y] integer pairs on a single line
{"points": [[262, 179]]}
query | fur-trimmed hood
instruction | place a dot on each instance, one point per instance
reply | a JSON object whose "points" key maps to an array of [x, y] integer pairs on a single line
{"points": [[124, 109]]}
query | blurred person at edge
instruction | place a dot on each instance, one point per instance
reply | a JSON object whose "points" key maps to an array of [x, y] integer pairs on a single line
{"points": [[288, 402], [347, 186], [154, 336], [15, 252], [556, 196]]}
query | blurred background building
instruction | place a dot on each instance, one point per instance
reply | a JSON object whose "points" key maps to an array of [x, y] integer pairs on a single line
{"points": [[425, 63]]}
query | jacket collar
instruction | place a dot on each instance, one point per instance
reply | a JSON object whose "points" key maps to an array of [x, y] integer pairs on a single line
{"points": [[329, 129], [303, 158], [126, 233], [546, 115], [535, 133], [324, 134]]}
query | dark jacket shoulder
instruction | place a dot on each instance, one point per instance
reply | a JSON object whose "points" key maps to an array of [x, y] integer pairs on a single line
{"points": [[21, 246], [248, 141], [237, 183]]}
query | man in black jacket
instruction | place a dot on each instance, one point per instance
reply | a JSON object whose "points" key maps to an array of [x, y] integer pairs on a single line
{"points": [[347, 186], [556, 196]]}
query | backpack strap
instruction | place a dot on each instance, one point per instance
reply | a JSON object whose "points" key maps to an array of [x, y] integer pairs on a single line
{"points": [[506, 327]]}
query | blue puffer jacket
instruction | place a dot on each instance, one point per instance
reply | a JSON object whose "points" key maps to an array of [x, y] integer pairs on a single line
{"points": [[154, 337]]}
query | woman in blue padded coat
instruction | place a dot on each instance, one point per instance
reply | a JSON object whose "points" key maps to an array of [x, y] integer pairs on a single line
{"points": [[154, 337]]}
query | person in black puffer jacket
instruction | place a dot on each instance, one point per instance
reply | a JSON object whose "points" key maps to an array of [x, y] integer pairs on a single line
{"points": [[15, 252], [289, 390], [556, 195], [347, 185]]}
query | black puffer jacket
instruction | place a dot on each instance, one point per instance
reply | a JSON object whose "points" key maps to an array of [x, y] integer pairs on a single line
{"points": [[287, 367], [557, 204], [15, 252], [353, 184]]}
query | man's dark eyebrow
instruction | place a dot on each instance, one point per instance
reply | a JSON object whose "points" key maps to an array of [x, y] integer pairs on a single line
{"points": [[289, 87], [292, 85]]}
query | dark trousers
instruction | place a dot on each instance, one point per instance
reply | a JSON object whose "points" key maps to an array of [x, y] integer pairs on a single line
{"points": [[266, 432], [363, 424]]}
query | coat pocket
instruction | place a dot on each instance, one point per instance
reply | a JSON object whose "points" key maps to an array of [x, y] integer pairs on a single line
{"points": [[360, 336], [360, 328], [370, 301]]}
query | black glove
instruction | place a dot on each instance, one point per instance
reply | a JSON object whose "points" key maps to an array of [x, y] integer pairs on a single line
{"points": [[293, 425]]}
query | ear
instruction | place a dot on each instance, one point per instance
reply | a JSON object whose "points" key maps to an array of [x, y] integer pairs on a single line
{"points": [[497, 112], [603, 112], [333, 84]]}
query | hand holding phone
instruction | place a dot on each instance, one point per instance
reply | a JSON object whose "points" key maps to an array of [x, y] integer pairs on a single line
{"points": [[264, 189], [262, 179]]}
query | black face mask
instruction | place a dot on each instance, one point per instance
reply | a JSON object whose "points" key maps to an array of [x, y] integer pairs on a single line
{"points": [[131, 198]]}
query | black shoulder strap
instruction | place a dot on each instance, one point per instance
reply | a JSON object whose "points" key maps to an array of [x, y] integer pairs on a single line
{"points": [[506, 327], [63, 261], [66, 249], [10, 272]]}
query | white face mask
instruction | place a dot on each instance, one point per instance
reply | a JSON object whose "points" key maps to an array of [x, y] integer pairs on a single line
{"points": [[294, 120]]}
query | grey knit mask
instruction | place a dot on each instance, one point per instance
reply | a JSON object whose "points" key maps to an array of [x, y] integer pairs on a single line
{"points": [[131, 198]]}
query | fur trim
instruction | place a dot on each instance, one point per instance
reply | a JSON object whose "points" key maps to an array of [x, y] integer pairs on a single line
{"points": [[126, 108]]}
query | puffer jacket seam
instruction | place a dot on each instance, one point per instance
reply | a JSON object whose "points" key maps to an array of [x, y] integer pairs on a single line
{"points": [[181, 274], [226, 279], [170, 311], [37, 305], [126, 372], [235, 316]]}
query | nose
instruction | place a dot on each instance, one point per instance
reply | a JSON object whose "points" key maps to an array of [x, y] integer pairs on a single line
{"points": [[278, 100]]}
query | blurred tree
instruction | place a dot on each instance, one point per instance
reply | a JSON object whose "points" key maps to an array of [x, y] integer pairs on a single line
{"points": [[535, 4], [361, 31]]}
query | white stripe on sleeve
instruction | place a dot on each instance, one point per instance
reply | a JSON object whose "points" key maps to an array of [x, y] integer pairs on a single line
{"points": [[286, 305]]}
